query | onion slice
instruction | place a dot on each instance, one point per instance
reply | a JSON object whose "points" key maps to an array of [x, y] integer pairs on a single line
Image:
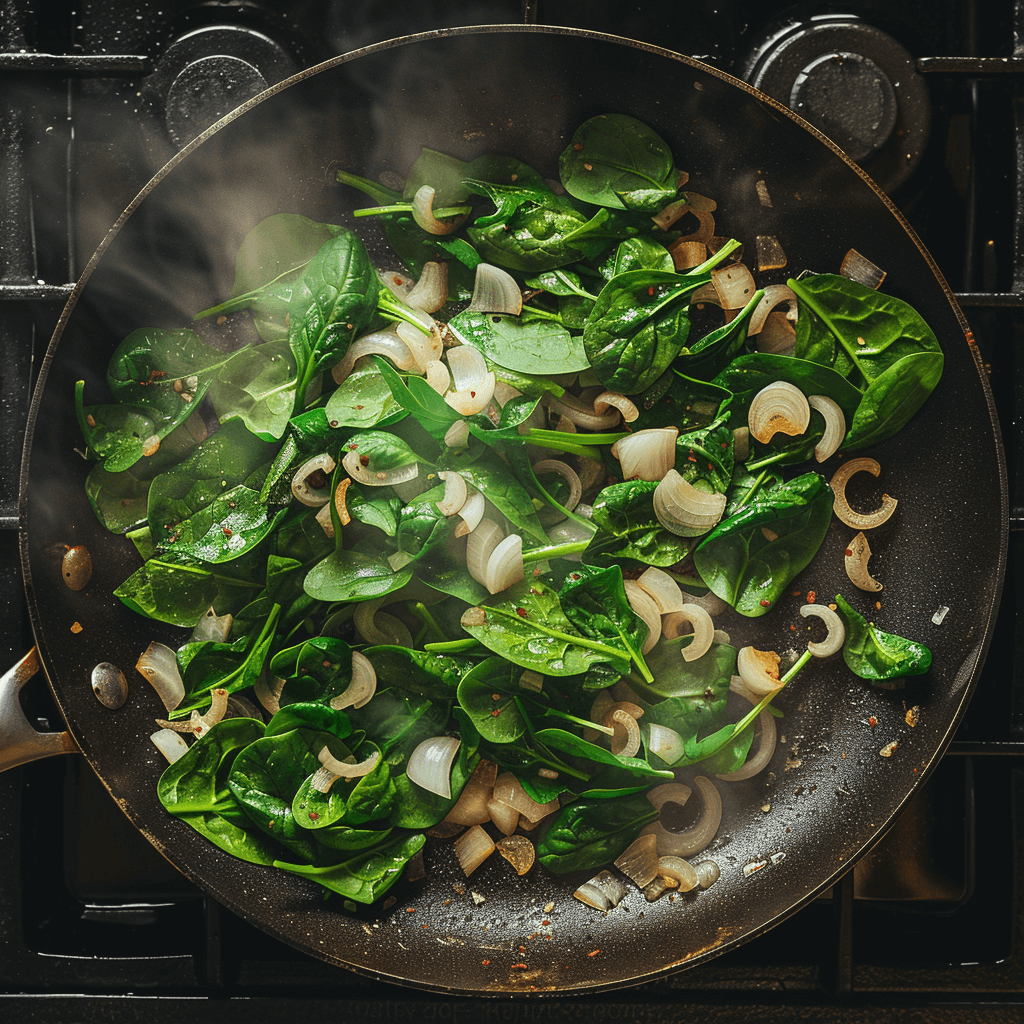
{"points": [[472, 848], [639, 861], [609, 399], [423, 213], [859, 520], [362, 686], [702, 625], [663, 590], [158, 665], [505, 565], [779, 408], [170, 743], [333, 769], [759, 670], [691, 840], [765, 738], [430, 764], [647, 454], [683, 509], [482, 542], [430, 292], [644, 605], [495, 291], [835, 426], [455, 493], [313, 497], [856, 562], [836, 630]]}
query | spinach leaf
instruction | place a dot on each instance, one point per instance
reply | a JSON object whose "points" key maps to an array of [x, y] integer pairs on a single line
{"points": [[704, 457], [488, 694], [749, 559], [569, 743], [616, 161], [415, 395], [698, 688], [374, 506], [353, 576], [314, 670], [715, 350], [364, 399], [592, 833], [257, 385], [529, 628], [876, 655], [420, 672], [525, 346], [675, 400], [118, 499]]}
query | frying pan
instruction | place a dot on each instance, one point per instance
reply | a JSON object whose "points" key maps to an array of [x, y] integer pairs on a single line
{"points": [[522, 90]]}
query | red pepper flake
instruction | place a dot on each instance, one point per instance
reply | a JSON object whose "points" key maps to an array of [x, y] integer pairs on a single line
{"points": [[792, 627], [425, 926], [765, 603], [594, 953], [313, 815], [691, 458], [410, 910], [495, 712], [848, 552], [472, 394], [521, 967], [485, 963], [797, 593], [577, 146], [811, 596], [872, 721], [970, 341], [545, 921], [522, 949], [521, 612], [650, 290], [227, 532], [495, 696]]}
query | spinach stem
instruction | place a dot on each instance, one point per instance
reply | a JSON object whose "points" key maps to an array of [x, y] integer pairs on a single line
{"points": [[537, 434], [452, 646], [244, 300], [422, 612], [751, 716], [440, 214], [754, 488], [573, 547]]}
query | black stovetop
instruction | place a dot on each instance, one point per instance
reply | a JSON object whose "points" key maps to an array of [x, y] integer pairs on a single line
{"points": [[94, 925]]}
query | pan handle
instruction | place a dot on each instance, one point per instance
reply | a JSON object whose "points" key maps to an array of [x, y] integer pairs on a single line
{"points": [[19, 742]]}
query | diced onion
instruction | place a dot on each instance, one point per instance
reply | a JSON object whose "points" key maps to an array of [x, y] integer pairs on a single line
{"points": [[708, 872], [774, 295], [333, 769], [495, 291], [509, 790], [504, 817], [457, 435], [268, 692], [505, 566], [860, 269], [664, 742], [482, 542], [455, 493], [212, 626], [380, 343], [647, 454], [734, 284], [663, 589], [702, 625], [856, 562], [170, 743], [471, 513], [639, 861], [158, 665], [679, 871], [687, 254], [362, 686], [472, 848], [423, 213], [836, 630], [438, 376], [683, 509], [472, 383], [430, 765], [859, 520], [518, 851], [603, 892], [778, 408], [777, 336], [313, 497], [424, 345]]}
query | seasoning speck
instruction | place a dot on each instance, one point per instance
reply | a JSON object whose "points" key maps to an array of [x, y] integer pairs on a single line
{"points": [[887, 750], [76, 627]]}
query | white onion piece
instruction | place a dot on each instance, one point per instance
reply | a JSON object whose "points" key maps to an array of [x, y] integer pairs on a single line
{"points": [[509, 790], [504, 817], [268, 692], [679, 871], [467, 365], [708, 872], [212, 626], [364, 475], [741, 443], [626, 734], [313, 497], [505, 566], [377, 627], [695, 839], [396, 282], [603, 892], [683, 509], [482, 542], [734, 284], [471, 513], [333, 769], [457, 435], [703, 209], [471, 807], [581, 413], [570, 475], [424, 346], [608, 399], [423, 213], [647, 454], [662, 588], [841, 507], [710, 602], [668, 215], [380, 343], [159, 666], [702, 625], [778, 408], [858, 554], [643, 604], [664, 742], [495, 291], [438, 376], [835, 426], [777, 336], [765, 738], [472, 848], [472, 400], [687, 255], [455, 493], [759, 670], [836, 630], [639, 861], [430, 764], [430, 292], [324, 520], [774, 295], [362, 686], [170, 743], [860, 269]]}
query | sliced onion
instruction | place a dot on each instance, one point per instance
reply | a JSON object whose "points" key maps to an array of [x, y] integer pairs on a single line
{"points": [[377, 627], [835, 426], [431, 290], [212, 626], [860, 269], [504, 817], [362, 686], [765, 739], [455, 493], [679, 871], [438, 376], [471, 513], [532, 681], [603, 892], [778, 408], [687, 255], [683, 509], [495, 291], [268, 692], [396, 282], [380, 343], [366, 476], [664, 742], [643, 604], [668, 792], [708, 872], [626, 736], [857, 556], [668, 215], [647, 454], [770, 254], [663, 589], [333, 769], [703, 209], [170, 743], [734, 284], [608, 399], [759, 670], [457, 435], [570, 475], [518, 851], [639, 861], [430, 764], [581, 413], [472, 383], [858, 520], [423, 213], [482, 542], [472, 848], [777, 336], [836, 630], [741, 443], [695, 839], [509, 790], [158, 664], [424, 345], [313, 497], [700, 622], [710, 602], [505, 566], [471, 807], [774, 295]]}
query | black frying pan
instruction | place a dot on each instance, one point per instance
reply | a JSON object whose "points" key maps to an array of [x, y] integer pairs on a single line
{"points": [[522, 91]]}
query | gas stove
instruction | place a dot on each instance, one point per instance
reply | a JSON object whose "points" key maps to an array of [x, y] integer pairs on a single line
{"points": [[94, 924]]}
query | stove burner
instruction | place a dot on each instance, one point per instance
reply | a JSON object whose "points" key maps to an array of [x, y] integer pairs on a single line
{"points": [[853, 82]]}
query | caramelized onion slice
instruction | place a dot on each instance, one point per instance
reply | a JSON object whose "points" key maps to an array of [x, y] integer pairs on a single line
{"points": [[859, 520], [836, 630], [759, 670], [857, 556], [700, 622], [779, 408]]}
